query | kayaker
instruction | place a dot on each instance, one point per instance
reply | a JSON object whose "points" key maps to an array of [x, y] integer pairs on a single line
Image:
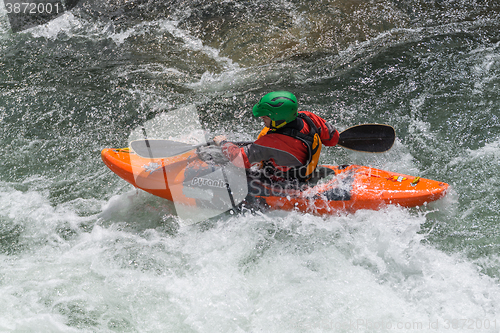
{"points": [[290, 144]]}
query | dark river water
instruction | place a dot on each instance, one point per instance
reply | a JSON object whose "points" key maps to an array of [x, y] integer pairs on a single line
{"points": [[82, 251]]}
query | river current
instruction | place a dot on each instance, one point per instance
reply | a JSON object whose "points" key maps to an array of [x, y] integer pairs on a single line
{"points": [[83, 251]]}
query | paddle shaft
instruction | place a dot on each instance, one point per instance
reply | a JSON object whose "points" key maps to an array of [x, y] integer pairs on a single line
{"points": [[370, 138], [373, 138]]}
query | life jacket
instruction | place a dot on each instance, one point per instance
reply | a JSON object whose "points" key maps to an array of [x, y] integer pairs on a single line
{"points": [[311, 140]]}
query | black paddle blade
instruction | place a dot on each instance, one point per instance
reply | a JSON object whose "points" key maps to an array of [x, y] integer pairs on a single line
{"points": [[371, 138], [161, 148]]}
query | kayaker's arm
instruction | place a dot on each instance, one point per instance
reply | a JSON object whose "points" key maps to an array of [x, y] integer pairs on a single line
{"points": [[328, 133], [236, 154], [219, 140], [253, 152]]}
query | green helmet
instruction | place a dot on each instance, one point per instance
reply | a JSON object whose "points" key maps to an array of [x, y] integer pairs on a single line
{"points": [[280, 106]]}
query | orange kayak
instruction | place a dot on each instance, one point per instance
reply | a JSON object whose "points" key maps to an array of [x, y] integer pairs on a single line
{"points": [[183, 178]]}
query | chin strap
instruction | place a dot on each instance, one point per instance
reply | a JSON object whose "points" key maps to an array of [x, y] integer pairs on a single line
{"points": [[277, 124]]}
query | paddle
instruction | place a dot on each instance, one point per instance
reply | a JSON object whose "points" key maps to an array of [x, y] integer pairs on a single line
{"points": [[162, 148], [370, 138]]}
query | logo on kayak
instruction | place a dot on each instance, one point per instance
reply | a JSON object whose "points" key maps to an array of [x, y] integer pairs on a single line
{"points": [[397, 178], [151, 167], [198, 181]]}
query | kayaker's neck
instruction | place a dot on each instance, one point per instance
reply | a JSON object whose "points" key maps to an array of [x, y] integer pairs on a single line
{"points": [[297, 124]]}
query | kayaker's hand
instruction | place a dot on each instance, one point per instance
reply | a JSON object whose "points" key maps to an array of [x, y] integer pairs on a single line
{"points": [[219, 138]]}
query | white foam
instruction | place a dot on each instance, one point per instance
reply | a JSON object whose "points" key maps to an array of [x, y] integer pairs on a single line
{"points": [[275, 271], [34, 212], [490, 150], [4, 21], [67, 23]]}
